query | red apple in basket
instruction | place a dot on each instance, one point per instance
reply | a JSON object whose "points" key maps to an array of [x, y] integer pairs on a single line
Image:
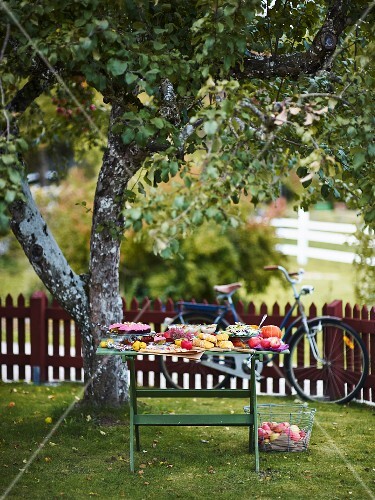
{"points": [[280, 428], [275, 342], [265, 343], [187, 344], [261, 433], [270, 331], [294, 436], [254, 342]]}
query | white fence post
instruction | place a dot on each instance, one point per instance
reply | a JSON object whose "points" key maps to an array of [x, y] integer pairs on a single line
{"points": [[302, 231], [303, 236]]}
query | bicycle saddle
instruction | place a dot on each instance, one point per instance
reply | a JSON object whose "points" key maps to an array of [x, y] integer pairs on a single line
{"points": [[227, 288]]}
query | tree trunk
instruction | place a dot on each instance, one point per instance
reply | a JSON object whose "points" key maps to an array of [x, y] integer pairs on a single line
{"points": [[109, 376]]}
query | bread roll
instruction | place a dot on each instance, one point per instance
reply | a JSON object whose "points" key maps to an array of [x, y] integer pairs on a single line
{"points": [[222, 336], [225, 344]]}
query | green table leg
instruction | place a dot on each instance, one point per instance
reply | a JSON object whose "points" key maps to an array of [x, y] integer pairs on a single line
{"points": [[253, 438], [133, 411]]}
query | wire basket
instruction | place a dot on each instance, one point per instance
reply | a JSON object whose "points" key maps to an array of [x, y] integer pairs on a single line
{"points": [[284, 427]]}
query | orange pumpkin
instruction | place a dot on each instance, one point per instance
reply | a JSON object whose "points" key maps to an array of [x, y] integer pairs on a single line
{"points": [[271, 331]]}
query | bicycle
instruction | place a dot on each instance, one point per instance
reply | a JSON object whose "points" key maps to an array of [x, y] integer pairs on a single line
{"points": [[327, 361]]}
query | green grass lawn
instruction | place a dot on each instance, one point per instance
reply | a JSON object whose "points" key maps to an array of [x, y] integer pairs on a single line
{"points": [[85, 453]]}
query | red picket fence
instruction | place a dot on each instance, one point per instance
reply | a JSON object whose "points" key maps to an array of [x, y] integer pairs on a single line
{"points": [[40, 342]]}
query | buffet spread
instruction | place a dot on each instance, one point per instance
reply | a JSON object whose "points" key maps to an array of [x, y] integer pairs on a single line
{"points": [[193, 339]]}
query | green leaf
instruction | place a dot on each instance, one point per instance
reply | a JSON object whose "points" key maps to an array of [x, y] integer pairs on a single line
{"points": [[325, 191], [14, 176], [117, 67], [128, 136], [10, 196], [103, 25], [22, 144], [158, 122], [86, 43], [197, 218], [179, 202], [210, 127], [173, 168], [130, 78], [129, 195], [158, 46], [135, 213], [359, 159], [8, 159]]}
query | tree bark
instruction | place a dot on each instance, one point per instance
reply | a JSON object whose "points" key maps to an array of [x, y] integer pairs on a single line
{"points": [[120, 163], [46, 258]]}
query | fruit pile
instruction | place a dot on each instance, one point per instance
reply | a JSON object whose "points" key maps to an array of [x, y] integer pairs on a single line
{"points": [[282, 436], [269, 338]]}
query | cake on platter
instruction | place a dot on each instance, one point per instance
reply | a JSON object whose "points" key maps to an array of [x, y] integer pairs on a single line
{"points": [[129, 327]]}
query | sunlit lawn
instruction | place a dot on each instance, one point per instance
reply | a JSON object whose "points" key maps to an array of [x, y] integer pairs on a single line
{"points": [[331, 281], [84, 453]]}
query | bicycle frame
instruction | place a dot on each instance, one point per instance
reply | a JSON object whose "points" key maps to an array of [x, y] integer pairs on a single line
{"points": [[220, 309], [241, 362], [202, 308]]}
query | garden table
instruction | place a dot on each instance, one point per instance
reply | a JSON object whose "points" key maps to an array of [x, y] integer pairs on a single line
{"points": [[137, 420]]}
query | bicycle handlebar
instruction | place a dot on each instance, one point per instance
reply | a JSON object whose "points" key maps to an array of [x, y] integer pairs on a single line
{"points": [[288, 275]]}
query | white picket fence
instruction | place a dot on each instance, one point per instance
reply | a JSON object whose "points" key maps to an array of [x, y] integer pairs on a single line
{"points": [[302, 230]]}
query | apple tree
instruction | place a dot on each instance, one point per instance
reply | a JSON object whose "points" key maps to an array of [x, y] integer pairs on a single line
{"points": [[195, 104]]}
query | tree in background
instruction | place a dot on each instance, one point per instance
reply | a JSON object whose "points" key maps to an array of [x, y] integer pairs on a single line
{"points": [[217, 98], [364, 267], [208, 257]]}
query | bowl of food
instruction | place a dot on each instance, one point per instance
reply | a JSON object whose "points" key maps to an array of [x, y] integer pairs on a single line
{"points": [[210, 329]]}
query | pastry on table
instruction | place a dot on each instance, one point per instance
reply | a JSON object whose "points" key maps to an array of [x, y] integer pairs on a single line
{"points": [[225, 344], [222, 336], [203, 344]]}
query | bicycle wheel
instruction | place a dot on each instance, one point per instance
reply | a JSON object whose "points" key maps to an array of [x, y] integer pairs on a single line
{"points": [[338, 371], [177, 370]]}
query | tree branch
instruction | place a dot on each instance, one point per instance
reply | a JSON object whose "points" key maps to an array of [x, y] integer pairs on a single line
{"points": [[2, 94], [312, 60], [35, 86], [323, 94], [45, 256], [169, 110]]}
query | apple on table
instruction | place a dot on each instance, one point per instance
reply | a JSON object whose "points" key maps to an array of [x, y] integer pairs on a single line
{"points": [[187, 344]]}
